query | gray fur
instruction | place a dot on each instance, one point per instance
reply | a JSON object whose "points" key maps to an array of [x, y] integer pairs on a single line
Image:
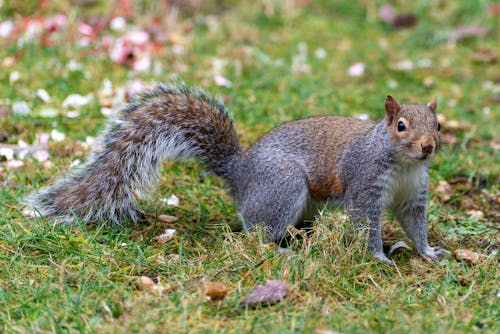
{"points": [[272, 181], [125, 166]]}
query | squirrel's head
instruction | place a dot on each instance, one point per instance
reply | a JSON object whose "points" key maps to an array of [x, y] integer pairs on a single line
{"points": [[414, 129]]}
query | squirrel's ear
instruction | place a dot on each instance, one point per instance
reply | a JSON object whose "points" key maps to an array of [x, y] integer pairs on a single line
{"points": [[433, 104], [392, 107]]}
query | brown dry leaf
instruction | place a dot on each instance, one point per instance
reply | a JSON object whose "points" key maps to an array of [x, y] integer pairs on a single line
{"points": [[428, 82], [495, 144], [215, 291], [444, 191], [484, 56], [476, 214], [463, 180], [272, 292], [144, 283], [467, 255], [454, 124], [449, 138], [405, 20], [167, 218]]}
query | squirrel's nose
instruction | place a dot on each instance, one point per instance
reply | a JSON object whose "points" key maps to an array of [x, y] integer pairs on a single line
{"points": [[427, 149]]}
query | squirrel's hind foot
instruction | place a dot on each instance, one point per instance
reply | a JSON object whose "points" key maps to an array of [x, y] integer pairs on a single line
{"points": [[384, 259], [434, 253]]}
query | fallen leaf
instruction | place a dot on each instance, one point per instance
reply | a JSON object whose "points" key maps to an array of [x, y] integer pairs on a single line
{"points": [[77, 100], [21, 108], [7, 152], [221, 80], [463, 32], [467, 255], [428, 82], [405, 20], [8, 61], [454, 124], [118, 23], [41, 155], [494, 144], [166, 236], [387, 13], [42, 138], [325, 331], [320, 53], [6, 28], [43, 95], [13, 164], [57, 136], [272, 292], [404, 65], [47, 164], [5, 112], [356, 69], [144, 283], [476, 214], [215, 291], [449, 138], [444, 191], [172, 201], [485, 56], [494, 8], [14, 76], [463, 180], [167, 218], [137, 37]]}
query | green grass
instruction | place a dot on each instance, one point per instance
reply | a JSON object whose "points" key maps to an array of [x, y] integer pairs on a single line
{"points": [[82, 278]]}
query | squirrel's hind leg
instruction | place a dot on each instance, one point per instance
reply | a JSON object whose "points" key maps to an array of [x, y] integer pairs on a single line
{"points": [[275, 209]]}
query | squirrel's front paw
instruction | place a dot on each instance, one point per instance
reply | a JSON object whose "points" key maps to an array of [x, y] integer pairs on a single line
{"points": [[434, 253]]}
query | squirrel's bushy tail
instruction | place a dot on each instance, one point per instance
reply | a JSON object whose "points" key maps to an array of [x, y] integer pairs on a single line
{"points": [[167, 122]]}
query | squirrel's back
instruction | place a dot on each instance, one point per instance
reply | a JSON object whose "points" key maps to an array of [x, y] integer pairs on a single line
{"points": [[315, 143]]}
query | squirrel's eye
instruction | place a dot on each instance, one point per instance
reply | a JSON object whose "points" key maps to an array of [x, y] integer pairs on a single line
{"points": [[439, 126], [401, 126]]}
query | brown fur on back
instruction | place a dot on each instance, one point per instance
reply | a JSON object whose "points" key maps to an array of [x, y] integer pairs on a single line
{"points": [[328, 136]]}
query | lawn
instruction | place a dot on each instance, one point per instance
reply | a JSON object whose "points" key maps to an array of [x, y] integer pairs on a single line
{"points": [[67, 67]]}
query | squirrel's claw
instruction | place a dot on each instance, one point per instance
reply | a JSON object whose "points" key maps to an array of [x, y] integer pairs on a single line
{"points": [[399, 244], [384, 259], [435, 253]]}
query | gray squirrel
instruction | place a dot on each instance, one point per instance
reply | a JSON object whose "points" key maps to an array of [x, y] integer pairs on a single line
{"points": [[366, 166]]}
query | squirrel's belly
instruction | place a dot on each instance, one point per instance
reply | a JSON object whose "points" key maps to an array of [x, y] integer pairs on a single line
{"points": [[326, 188]]}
